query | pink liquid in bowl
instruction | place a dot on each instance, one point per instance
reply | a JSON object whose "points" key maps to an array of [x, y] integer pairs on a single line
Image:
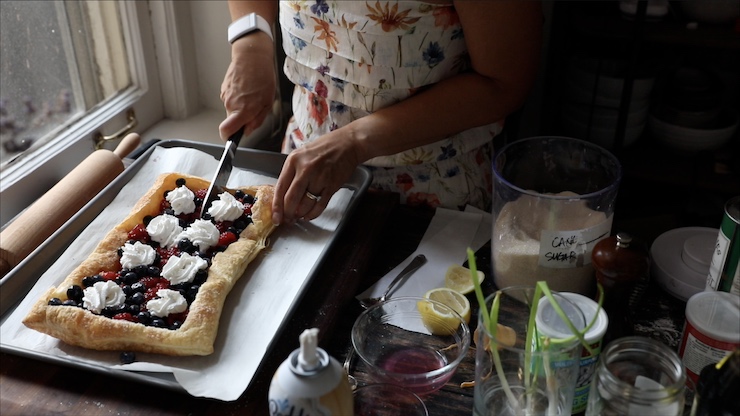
{"points": [[407, 366]]}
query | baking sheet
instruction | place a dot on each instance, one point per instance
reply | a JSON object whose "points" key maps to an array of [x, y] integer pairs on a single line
{"points": [[17, 290]]}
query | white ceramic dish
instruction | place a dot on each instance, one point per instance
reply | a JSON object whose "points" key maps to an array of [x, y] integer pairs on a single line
{"points": [[668, 266], [692, 139]]}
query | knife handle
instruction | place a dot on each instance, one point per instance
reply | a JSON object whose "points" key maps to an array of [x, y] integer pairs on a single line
{"points": [[237, 137]]}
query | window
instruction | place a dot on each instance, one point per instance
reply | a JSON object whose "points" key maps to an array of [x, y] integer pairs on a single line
{"points": [[70, 69]]}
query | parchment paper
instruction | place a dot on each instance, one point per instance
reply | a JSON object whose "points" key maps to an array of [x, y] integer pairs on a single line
{"points": [[445, 243], [254, 310]]}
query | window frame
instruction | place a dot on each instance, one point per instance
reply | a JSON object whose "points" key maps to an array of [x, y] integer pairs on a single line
{"points": [[22, 184]]}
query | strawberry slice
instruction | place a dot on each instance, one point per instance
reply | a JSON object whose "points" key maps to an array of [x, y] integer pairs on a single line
{"points": [[226, 238], [124, 316], [139, 233]]}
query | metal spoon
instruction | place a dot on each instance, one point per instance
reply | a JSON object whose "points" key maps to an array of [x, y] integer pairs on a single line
{"points": [[417, 262]]}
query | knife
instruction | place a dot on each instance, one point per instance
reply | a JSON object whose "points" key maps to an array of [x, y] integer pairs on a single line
{"points": [[223, 172]]}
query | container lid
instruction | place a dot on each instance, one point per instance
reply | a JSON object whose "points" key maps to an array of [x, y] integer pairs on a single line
{"points": [[680, 260], [715, 314], [556, 328]]}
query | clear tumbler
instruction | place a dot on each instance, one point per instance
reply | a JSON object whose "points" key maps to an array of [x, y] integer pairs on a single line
{"points": [[516, 376]]}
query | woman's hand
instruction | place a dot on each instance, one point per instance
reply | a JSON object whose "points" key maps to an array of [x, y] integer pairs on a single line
{"points": [[248, 89], [312, 174]]}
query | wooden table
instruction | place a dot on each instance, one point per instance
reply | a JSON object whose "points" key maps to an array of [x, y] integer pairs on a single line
{"points": [[381, 234]]}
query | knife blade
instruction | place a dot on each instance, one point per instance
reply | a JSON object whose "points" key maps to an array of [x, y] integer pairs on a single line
{"points": [[223, 171]]}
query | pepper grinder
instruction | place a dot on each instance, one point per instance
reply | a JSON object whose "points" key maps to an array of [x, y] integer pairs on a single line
{"points": [[621, 264]]}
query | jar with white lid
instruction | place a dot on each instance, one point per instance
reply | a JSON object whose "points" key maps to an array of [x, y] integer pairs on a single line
{"points": [[711, 331]]}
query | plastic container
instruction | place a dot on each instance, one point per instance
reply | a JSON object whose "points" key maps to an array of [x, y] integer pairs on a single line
{"points": [[594, 336], [711, 331]]}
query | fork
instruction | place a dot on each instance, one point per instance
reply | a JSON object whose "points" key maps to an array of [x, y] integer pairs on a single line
{"points": [[417, 262]]}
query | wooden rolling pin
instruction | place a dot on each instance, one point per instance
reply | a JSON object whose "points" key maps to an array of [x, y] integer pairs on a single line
{"points": [[48, 213]]}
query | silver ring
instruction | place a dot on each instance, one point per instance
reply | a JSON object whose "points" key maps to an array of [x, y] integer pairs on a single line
{"points": [[316, 198]]}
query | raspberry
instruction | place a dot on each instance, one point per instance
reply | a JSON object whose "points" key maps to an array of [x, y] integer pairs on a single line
{"points": [[201, 193], [223, 226], [164, 205], [226, 238], [166, 253], [109, 275], [139, 233], [247, 209], [125, 316]]}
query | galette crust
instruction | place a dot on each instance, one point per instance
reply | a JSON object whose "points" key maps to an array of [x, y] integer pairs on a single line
{"points": [[196, 336]]}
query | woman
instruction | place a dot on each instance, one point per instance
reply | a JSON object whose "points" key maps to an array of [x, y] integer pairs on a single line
{"points": [[414, 90]]}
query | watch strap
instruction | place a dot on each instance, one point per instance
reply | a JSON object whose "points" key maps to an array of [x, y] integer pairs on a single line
{"points": [[248, 24]]}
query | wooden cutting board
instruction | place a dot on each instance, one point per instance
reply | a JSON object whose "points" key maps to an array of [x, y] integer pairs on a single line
{"points": [[61, 202]]}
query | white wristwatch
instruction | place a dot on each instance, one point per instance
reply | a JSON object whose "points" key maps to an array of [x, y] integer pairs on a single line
{"points": [[248, 24]]}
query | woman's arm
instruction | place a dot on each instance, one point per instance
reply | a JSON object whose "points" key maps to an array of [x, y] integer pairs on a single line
{"points": [[503, 39], [248, 88]]}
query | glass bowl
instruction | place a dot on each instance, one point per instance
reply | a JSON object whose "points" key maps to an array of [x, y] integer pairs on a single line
{"points": [[387, 400], [415, 343]]}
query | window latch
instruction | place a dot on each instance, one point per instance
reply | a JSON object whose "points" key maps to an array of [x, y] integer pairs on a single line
{"points": [[99, 139]]}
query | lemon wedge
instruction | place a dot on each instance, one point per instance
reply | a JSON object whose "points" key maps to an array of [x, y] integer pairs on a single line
{"points": [[459, 278], [439, 321]]}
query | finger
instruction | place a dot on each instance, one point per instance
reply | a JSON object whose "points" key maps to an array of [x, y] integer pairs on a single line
{"points": [[281, 188], [318, 207], [230, 125]]}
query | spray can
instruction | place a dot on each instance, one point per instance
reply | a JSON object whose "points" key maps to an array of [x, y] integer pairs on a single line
{"points": [[310, 383], [724, 269]]}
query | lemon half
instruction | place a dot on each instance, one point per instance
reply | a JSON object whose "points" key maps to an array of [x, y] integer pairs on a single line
{"points": [[460, 279], [439, 321]]}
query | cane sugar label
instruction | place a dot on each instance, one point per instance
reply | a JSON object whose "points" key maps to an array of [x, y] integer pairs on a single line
{"points": [[570, 249]]}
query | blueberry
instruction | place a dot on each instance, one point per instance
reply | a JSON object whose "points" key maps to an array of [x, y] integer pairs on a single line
{"points": [[137, 298], [175, 325], [207, 216], [138, 287], [133, 309], [69, 302], [200, 277], [91, 280], [186, 245], [153, 271], [248, 199], [239, 194], [127, 357], [141, 271], [180, 182], [55, 301], [130, 278], [169, 211], [147, 219], [144, 317], [120, 252], [159, 323], [75, 293]]}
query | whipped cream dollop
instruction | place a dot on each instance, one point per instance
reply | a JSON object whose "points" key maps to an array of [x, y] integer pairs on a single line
{"points": [[182, 200], [168, 301], [137, 254], [182, 268], [164, 229], [202, 233], [102, 294], [226, 208]]}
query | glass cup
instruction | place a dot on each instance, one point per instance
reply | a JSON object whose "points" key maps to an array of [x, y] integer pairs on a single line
{"points": [[638, 376], [387, 400], [516, 377], [399, 344], [553, 200]]}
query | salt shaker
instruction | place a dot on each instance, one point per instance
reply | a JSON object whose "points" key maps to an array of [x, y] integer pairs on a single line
{"points": [[310, 383], [621, 264]]}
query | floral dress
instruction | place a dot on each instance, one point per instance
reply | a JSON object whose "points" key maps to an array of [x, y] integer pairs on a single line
{"points": [[350, 58]]}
